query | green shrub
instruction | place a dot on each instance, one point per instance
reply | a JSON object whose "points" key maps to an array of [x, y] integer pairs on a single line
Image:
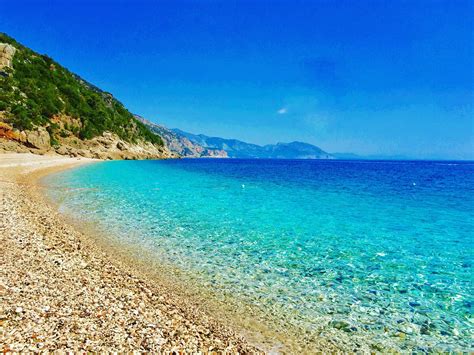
{"points": [[38, 88]]}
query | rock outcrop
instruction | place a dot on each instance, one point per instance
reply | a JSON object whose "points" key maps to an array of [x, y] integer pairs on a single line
{"points": [[7, 51], [38, 139], [108, 146]]}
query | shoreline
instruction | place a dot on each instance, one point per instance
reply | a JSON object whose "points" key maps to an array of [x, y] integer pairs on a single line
{"points": [[62, 291], [67, 285]]}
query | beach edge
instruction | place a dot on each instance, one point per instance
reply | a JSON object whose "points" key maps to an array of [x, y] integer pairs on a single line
{"points": [[115, 307]]}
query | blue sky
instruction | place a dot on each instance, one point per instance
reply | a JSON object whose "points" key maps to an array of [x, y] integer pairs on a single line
{"points": [[369, 77]]}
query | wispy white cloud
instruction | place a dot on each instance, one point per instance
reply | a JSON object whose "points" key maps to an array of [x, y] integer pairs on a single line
{"points": [[282, 111]]}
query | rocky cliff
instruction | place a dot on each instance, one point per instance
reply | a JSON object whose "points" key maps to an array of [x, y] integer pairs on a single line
{"points": [[180, 144], [46, 108], [7, 52], [107, 146]]}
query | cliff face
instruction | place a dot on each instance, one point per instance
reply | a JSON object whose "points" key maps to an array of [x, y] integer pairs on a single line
{"points": [[46, 108], [7, 52], [107, 146], [180, 144]]}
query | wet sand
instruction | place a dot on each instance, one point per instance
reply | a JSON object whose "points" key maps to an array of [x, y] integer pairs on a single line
{"points": [[60, 290]]}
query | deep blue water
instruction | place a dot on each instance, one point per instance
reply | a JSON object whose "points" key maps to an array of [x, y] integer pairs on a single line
{"points": [[377, 249]]}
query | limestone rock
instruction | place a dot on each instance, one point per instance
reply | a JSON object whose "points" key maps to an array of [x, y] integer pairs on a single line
{"points": [[62, 150], [7, 145], [84, 153], [22, 137], [108, 146], [7, 51], [39, 139], [121, 145]]}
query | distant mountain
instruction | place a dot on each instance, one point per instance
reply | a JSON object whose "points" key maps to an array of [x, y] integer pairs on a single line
{"points": [[180, 144], [296, 150], [239, 149]]}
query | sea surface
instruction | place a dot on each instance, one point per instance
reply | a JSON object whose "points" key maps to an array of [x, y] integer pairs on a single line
{"points": [[374, 250]]}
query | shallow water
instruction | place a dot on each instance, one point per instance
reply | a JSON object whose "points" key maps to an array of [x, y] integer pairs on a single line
{"points": [[381, 251]]}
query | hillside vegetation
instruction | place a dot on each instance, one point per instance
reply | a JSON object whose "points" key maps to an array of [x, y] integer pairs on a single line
{"points": [[35, 89]]}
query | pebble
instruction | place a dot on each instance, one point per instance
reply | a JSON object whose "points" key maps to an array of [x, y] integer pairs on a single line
{"points": [[69, 286]]}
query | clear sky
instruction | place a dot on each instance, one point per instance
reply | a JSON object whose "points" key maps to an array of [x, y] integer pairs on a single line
{"points": [[369, 77]]}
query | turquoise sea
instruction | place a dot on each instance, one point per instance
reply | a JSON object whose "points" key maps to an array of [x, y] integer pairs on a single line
{"points": [[379, 252]]}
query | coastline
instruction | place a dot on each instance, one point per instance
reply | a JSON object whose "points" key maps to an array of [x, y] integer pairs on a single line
{"points": [[67, 285], [62, 291]]}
